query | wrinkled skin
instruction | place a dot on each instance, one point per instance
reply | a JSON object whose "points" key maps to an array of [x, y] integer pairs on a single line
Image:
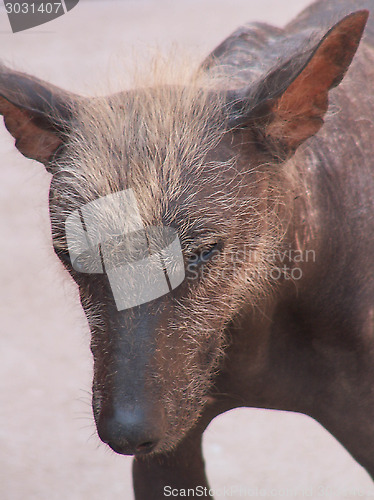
{"points": [[165, 369]]}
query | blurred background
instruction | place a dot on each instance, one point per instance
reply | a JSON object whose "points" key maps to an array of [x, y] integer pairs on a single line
{"points": [[48, 446]]}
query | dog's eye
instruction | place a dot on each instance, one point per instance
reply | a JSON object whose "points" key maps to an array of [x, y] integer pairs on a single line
{"points": [[88, 262], [80, 265], [204, 253]]}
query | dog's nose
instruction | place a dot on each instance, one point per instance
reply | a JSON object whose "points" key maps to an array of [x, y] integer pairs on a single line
{"points": [[130, 432]]}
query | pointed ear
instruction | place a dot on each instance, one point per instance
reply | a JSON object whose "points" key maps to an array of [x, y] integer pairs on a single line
{"points": [[289, 105], [37, 114]]}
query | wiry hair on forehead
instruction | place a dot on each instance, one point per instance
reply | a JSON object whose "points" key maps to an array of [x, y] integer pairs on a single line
{"points": [[153, 139]]}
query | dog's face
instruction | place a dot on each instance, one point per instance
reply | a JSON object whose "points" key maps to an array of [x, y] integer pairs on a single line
{"points": [[180, 187]]}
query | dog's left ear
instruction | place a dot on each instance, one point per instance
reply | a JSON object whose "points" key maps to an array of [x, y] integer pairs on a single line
{"points": [[37, 114], [288, 105]]}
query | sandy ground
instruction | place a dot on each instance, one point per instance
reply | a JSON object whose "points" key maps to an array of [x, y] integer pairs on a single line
{"points": [[49, 449]]}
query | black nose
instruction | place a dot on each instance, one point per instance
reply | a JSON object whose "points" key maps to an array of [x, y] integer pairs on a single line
{"points": [[130, 432]]}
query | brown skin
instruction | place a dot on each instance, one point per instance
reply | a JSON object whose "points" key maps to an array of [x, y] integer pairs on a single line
{"points": [[308, 346]]}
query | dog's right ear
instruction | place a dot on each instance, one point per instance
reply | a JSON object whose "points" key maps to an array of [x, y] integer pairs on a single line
{"points": [[37, 114]]}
